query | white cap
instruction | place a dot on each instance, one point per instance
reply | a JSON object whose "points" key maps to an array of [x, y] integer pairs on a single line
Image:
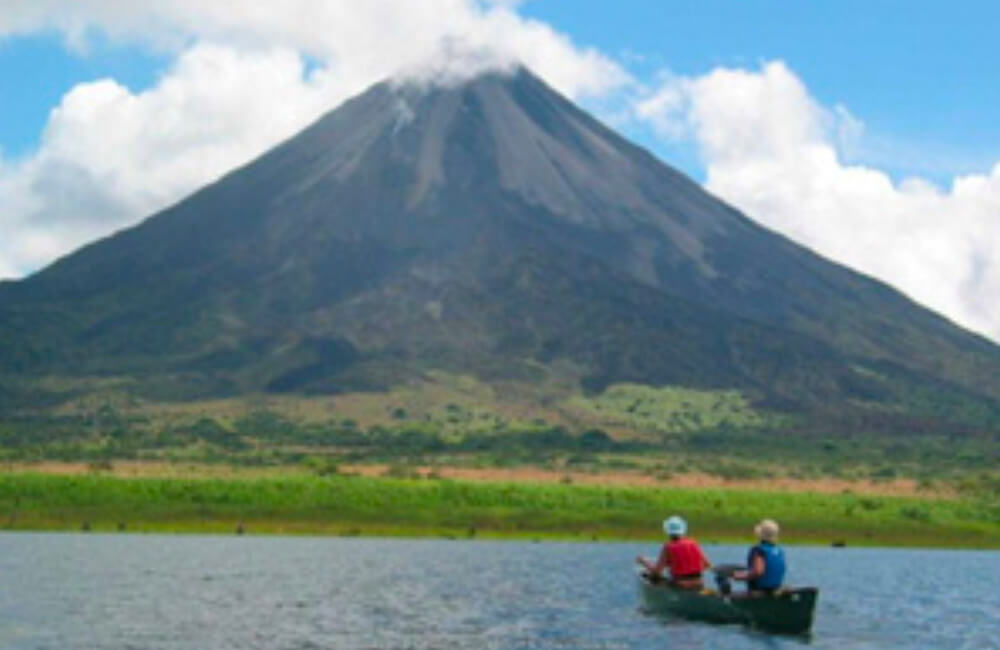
{"points": [[675, 526]]}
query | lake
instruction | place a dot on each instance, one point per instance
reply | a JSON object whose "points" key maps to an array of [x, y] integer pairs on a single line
{"points": [[80, 591]]}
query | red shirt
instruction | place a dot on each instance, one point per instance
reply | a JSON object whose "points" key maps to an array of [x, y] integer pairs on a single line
{"points": [[684, 557]]}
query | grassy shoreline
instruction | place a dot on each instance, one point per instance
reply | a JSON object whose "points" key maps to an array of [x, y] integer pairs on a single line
{"points": [[341, 505]]}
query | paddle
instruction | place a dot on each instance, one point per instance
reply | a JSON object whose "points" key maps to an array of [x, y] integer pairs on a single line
{"points": [[723, 576]]}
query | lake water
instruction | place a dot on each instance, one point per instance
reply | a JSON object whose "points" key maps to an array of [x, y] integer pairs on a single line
{"points": [[79, 591]]}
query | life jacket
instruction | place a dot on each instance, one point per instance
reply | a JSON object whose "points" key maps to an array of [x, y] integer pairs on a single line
{"points": [[684, 557], [774, 566]]}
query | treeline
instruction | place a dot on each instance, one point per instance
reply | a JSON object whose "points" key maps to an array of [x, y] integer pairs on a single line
{"points": [[107, 435], [264, 437]]}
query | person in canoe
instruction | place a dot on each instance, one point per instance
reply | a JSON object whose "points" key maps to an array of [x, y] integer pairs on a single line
{"points": [[765, 570], [680, 554]]}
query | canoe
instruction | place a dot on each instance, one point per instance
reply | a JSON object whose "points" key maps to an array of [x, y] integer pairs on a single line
{"points": [[788, 611]]}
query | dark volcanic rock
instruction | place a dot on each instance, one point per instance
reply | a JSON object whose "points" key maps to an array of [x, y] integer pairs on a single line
{"points": [[489, 227]]}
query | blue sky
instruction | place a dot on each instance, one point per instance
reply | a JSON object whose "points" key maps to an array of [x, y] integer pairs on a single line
{"points": [[866, 131], [921, 75]]}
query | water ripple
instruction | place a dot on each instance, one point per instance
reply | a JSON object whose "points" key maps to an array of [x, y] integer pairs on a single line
{"points": [[118, 592]]}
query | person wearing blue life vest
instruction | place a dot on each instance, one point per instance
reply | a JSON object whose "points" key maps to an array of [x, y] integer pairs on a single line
{"points": [[765, 570]]}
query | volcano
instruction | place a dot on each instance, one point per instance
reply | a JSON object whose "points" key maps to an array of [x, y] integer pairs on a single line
{"points": [[488, 227]]}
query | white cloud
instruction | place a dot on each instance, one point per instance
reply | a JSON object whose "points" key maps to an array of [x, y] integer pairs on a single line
{"points": [[668, 109], [772, 150], [366, 40], [109, 157], [238, 85]]}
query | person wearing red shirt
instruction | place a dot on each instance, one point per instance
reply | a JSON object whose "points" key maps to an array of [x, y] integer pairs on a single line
{"points": [[681, 555]]}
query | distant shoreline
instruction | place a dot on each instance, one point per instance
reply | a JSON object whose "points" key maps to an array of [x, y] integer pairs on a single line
{"points": [[265, 529], [436, 508]]}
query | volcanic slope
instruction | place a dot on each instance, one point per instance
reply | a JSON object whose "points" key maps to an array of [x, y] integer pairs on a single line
{"points": [[488, 227]]}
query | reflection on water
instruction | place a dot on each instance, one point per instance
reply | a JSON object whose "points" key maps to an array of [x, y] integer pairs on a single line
{"points": [[144, 591]]}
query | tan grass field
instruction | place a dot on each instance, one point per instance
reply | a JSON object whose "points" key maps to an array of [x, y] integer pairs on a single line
{"points": [[900, 487], [693, 480]]}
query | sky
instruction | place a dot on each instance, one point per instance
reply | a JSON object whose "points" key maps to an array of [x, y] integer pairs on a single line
{"points": [[866, 131]]}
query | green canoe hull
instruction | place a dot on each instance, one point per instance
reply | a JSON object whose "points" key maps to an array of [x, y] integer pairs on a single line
{"points": [[788, 612]]}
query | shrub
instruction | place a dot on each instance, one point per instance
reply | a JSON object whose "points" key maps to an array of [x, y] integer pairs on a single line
{"points": [[322, 466], [916, 513], [883, 473]]}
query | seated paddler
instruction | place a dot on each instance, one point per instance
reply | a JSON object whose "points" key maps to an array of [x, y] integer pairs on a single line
{"points": [[765, 570], [680, 554]]}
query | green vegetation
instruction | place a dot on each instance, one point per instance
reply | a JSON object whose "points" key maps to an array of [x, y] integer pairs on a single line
{"points": [[454, 433], [672, 409], [355, 505], [304, 445]]}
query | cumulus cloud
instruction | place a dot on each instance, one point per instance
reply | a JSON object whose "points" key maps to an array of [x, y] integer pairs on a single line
{"points": [[772, 150], [109, 156], [241, 81], [366, 40]]}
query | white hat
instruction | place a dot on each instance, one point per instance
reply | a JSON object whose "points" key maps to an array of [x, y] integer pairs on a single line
{"points": [[767, 530], [675, 526]]}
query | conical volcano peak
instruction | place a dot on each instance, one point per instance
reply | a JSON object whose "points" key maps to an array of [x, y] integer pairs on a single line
{"points": [[504, 128], [480, 224]]}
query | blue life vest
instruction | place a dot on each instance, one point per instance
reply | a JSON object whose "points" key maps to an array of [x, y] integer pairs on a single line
{"points": [[774, 566]]}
